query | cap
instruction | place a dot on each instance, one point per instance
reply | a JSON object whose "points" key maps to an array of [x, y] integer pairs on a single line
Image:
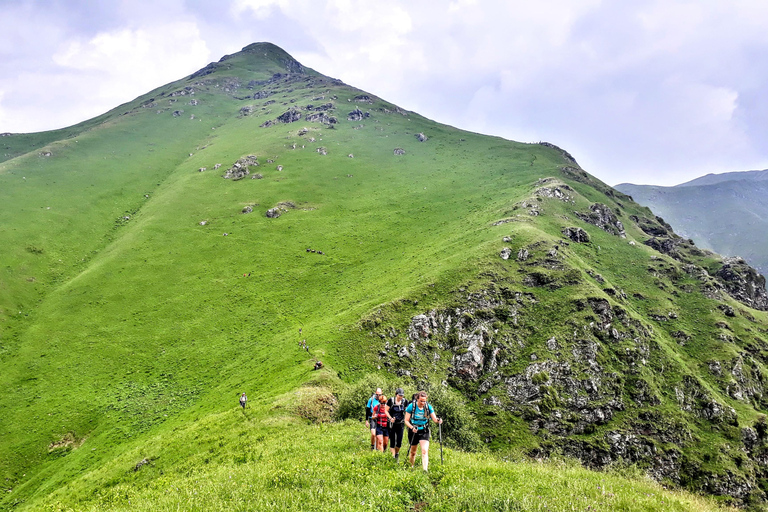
{"points": [[399, 391]]}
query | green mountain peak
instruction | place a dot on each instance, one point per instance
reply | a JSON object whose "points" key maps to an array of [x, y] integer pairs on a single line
{"points": [[228, 231]]}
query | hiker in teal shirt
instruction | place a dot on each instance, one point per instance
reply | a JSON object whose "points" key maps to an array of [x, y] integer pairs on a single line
{"points": [[417, 418]]}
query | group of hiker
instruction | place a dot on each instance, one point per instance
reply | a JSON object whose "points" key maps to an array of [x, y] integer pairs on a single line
{"points": [[389, 418]]}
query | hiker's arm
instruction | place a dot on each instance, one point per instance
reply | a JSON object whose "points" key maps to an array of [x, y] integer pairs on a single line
{"points": [[407, 421], [435, 418], [386, 411]]}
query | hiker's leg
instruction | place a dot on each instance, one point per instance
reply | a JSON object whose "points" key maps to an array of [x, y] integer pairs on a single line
{"points": [[373, 433], [386, 442], [424, 454], [380, 443], [411, 449]]}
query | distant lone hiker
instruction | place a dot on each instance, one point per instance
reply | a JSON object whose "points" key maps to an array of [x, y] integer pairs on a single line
{"points": [[417, 416], [318, 365], [243, 400]]}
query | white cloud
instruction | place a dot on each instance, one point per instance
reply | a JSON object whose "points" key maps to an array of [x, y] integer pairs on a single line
{"points": [[94, 75]]}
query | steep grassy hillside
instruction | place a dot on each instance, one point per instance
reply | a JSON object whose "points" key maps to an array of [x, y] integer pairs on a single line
{"points": [[726, 213], [174, 253]]}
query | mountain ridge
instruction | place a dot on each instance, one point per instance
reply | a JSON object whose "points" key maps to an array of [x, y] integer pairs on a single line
{"points": [[177, 252]]}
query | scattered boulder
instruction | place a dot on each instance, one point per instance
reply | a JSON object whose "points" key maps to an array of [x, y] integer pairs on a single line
{"points": [[322, 151], [362, 98], [421, 137], [576, 234], [246, 110], [506, 253], [177, 113], [274, 213], [247, 209], [399, 151], [522, 255]]}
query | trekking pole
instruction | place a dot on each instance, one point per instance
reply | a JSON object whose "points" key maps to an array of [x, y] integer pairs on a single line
{"points": [[440, 430]]}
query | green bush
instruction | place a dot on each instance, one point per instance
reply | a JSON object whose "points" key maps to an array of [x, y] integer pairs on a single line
{"points": [[460, 428], [353, 397]]}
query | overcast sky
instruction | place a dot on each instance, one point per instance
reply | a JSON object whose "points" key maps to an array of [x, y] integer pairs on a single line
{"points": [[641, 91]]}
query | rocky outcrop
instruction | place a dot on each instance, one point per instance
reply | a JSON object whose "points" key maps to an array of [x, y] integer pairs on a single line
{"points": [[289, 116], [240, 169], [603, 217], [665, 245], [576, 234], [743, 283], [566, 156], [357, 115], [421, 137], [656, 227], [321, 117]]}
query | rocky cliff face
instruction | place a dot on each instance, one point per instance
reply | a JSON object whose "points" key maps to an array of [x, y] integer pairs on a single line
{"points": [[605, 368]]}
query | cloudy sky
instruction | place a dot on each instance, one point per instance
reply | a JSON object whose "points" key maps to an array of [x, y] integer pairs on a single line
{"points": [[641, 91]]}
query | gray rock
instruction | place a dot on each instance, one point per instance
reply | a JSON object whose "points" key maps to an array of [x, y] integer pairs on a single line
{"points": [[289, 116], [421, 137], [240, 169], [743, 283], [576, 234], [506, 253], [357, 115], [274, 213], [603, 217]]}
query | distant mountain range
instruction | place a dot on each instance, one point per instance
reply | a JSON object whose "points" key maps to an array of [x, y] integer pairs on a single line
{"points": [[727, 213]]}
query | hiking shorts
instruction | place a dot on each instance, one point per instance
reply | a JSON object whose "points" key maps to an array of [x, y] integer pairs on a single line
{"points": [[419, 435], [396, 435], [382, 431]]}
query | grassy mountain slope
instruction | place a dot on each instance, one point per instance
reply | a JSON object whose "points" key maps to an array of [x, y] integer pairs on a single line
{"points": [[142, 292], [722, 212]]}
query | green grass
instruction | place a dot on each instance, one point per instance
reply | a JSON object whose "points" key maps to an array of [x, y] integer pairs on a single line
{"points": [[252, 461], [137, 301]]}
